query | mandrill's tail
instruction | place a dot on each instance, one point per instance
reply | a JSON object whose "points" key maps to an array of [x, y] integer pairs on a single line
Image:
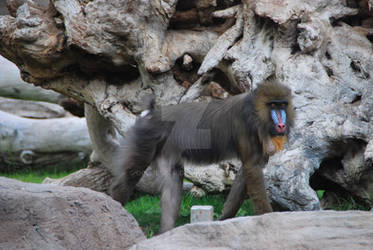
{"points": [[148, 105], [149, 102]]}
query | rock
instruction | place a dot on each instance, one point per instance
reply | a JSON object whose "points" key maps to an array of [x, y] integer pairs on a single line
{"points": [[40, 216], [288, 230]]}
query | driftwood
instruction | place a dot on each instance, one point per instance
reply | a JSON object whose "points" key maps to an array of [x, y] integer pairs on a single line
{"points": [[39, 143], [109, 54], [21, 147], [12, 86], [31, 109], [95, 178], [99, 179]]}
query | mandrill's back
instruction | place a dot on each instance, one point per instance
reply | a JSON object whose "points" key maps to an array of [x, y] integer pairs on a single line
{"points": [[203, 132]]}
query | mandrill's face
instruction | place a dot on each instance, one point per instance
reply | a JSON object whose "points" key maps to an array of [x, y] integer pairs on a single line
{"points": [[278, 113], [274, 110], [279, 128]]}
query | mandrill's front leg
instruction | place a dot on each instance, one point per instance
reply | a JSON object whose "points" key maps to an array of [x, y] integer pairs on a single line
{"points": [[252, 164], [236, 196], [249, 181], [255, 185]]}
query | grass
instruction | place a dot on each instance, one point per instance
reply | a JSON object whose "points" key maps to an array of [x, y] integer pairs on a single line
{"points": [[320, 193], [147, 211], [349, 203], [345, 203], [37, 176]]}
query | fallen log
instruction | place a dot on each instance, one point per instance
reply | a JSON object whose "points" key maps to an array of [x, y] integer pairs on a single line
{"points": [[12, 86], [32, 109], [36, 143]]}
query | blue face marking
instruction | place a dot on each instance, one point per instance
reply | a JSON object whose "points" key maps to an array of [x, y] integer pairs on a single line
{"points": [[283, 115], [275, 117]]}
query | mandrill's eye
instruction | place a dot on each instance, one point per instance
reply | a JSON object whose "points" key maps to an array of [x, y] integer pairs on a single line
{"points": [[277, 104]]}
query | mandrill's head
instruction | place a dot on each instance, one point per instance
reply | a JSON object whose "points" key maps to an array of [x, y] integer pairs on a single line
{"points": [[275, 113]]}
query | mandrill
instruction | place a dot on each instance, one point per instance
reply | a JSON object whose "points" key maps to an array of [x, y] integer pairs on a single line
{"points": [[250, 126]]}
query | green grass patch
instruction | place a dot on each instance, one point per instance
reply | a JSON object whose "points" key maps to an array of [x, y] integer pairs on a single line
{"points": [[320, 193], [147, 211], [345, 203], [349, 203], [37, 176]]}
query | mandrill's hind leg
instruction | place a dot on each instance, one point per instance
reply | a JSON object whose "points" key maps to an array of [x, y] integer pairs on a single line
{"points": [[135, 163], [138, 152], [236, 196], [172, 187], [125, 183]]}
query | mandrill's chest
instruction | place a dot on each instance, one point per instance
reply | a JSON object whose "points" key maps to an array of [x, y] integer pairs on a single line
{"points": [[279, 141], [273, 144]]}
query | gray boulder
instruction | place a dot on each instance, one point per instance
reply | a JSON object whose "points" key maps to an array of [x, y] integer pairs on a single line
{"points": [[288, 230], [40, 216]]}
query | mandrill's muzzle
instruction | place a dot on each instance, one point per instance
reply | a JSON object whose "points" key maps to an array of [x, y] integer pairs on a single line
{"points": [[279, 118]]}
